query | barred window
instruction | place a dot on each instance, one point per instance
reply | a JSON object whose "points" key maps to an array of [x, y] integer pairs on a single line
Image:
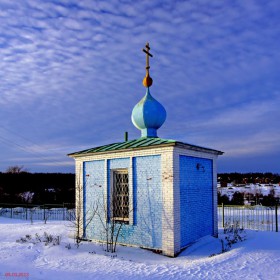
{"points": [[120, 196]]}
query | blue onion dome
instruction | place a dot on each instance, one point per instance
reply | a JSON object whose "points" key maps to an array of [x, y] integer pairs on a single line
{"points": [[148, 115]]}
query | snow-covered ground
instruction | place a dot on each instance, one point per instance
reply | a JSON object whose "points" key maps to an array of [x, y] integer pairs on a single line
{"points": [[257, 257]]}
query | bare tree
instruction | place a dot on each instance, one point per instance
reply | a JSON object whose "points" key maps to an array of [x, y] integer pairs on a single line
{"points": [[26, 197], [111, 226], [80, 219], [47, 214], [16, 169], [32, 211]]}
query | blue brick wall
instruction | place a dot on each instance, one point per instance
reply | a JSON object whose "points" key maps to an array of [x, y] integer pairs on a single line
{"points": [[148, 194], [196, 198], [94, 183], [147, 199]]}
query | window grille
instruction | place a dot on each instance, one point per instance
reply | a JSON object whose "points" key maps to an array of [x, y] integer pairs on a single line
{"points": [[120, 196]]}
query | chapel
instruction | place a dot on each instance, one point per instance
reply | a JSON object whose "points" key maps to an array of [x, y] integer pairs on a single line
{"points": [[162, 193]]}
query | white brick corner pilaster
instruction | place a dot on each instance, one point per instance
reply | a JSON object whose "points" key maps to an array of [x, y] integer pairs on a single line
{"points": [[170, 206], [177, 205], [79, 197], [131, 194], [106, 188]]}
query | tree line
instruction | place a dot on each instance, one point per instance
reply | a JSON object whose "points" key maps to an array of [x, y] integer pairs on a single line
{"points": [[249, 178], [20, 186]]}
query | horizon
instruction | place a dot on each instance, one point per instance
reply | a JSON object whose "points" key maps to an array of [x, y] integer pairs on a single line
{"points": [[72, 73], [73, 173]]}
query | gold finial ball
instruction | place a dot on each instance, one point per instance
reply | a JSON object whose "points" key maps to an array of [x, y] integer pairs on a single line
{"points": [[147, 81]]}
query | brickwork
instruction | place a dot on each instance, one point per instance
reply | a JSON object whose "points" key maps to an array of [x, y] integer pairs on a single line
{"points": [[212, 196], [94, 195], [79, 197], [148, 196], [158, 215], [196, 198], [170, 223], [144, 228], [215, 200]]}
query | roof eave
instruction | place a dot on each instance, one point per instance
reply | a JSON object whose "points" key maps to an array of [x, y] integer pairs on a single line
{"points": [[198, 148]]}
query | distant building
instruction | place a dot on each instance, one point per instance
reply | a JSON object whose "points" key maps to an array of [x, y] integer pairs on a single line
{"points": [[163, 192]]}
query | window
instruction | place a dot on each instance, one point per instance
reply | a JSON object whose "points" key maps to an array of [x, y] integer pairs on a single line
{"points": [[120, 196]]}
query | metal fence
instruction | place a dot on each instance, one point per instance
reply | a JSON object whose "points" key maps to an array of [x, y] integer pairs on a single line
{"points": [[249, 217], [54, 212]]}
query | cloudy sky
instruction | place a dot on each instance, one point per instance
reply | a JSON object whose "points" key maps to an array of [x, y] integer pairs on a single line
{"points": [[71, 72]]}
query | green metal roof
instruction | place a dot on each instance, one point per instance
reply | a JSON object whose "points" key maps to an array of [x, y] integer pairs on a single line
{"points": [[141, 143]]}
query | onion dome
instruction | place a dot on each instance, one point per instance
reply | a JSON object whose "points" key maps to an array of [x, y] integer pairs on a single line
{"points": [[148, 114]]}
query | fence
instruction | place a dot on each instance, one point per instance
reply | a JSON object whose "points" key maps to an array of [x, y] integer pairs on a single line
{"points": [[44, 212], [249, 217]]}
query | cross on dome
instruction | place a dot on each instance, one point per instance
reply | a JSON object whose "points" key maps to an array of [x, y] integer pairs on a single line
{"points": [[147, 81], [148, 54]]}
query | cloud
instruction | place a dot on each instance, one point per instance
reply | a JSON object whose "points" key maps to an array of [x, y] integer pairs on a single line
{"points": [[72, 70]]}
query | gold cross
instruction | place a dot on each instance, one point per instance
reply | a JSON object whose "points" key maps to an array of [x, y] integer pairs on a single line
{"points": [[147, 57]]}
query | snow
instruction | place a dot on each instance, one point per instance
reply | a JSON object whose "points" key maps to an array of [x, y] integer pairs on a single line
{"points": [[264, 189], [27, 196], [257, 257]]}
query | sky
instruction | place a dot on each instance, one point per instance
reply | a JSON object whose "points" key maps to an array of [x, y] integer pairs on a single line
{"points": [[71, 72]]}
